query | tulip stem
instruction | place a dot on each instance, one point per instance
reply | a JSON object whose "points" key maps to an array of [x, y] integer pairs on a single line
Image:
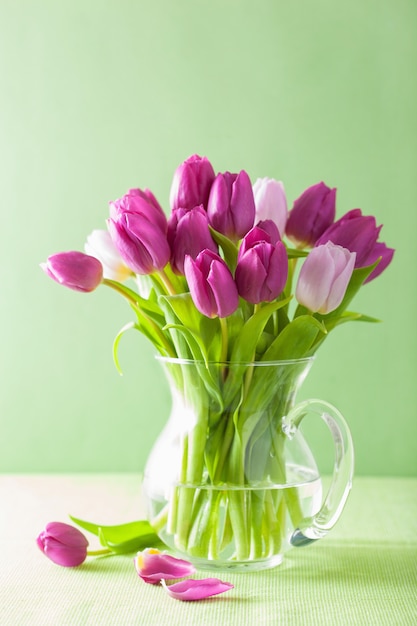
{"points": [[162, 275], [99, 552], [225, 339]]}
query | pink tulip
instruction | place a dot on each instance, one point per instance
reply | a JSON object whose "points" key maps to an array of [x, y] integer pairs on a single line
{"points": [[152, 566], [270, 202], [191, 183], [63, 544], [188, 233], [193, 589], [75, 270], [140, 240], [312, 213], [231, 205], [211, 284], [262, 267], [142, 202], [324, 277], [100, 245]]}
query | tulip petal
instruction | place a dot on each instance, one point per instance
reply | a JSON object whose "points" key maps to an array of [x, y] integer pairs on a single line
{"points": [[152, 566], [192, 589]]}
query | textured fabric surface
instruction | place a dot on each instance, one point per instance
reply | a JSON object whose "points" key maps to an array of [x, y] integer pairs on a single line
{"points": [[364, 572]]}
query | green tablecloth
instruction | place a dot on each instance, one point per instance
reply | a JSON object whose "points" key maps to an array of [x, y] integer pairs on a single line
{"points": [[364, 572]]}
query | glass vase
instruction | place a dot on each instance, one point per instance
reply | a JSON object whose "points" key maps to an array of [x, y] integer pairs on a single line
{"points": [[231, 481]]}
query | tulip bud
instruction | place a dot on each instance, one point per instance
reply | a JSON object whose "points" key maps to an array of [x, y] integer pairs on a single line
{"points": [[356, 232], [231, 205], [141, 242], [191, 183], [312, 213], [63, 544], [152, 566], [211, 284], [142, 202], [262, 267], [188, 233], [324, 278], [270, 202], [75, 270], [100, 245]]}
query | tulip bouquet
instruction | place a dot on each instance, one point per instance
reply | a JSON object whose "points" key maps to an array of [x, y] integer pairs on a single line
{"points": [[213, 285]]}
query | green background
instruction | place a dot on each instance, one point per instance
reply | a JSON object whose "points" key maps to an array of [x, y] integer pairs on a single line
{"points": [[97, 97]]}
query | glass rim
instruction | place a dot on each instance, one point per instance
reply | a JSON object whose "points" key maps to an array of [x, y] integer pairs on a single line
{"points": [[182, 361]]}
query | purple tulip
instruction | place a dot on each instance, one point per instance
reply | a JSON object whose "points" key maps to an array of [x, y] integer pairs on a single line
{"points": [[188, 233], [324, 277], [211, 284], [140, 240], [152, 566], [63, 544], [100, 245], [191, 183], [193, 589], [356, 232], [262, 267], [312, 213], [142, 202], [382, 252], [270, 202], [231, 205], [74, 270]]}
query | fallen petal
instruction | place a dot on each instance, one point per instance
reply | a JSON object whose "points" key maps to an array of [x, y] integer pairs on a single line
{"points": [[192, 589], [152, 566]]}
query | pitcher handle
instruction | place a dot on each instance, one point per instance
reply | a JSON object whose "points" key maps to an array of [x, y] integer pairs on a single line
{"points": [[316, 527]]}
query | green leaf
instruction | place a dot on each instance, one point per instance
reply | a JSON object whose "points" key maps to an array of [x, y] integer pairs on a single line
{"points": [[122, 538], [296, 340], [122, 331], [229, 249]]}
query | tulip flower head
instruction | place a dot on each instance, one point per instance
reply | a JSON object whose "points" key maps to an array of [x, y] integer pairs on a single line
{"points": [[270, 202], [262, 267], [142, 202], [231, 205], [188, 233], [324, 278], [63, 544], [312, 213], [75, 270], [191, 183], [140, 240], [100, 245], [385, 256], [211, 284], [359, 233]]}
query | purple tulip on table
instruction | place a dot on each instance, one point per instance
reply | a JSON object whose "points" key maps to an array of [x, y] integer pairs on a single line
{"points": [[63, 544]]}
